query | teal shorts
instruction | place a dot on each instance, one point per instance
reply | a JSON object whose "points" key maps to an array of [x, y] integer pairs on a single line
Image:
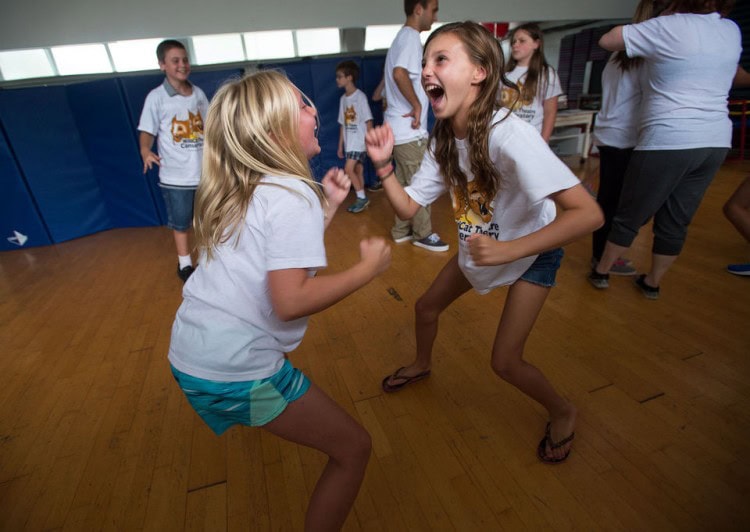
{"points": [[254, 403]]}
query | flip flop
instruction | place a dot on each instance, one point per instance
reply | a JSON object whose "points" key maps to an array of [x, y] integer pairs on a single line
{"points": [[388, 387], [541, 450]]}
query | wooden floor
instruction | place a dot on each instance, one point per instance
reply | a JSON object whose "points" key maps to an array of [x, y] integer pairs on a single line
{"points": [[95, 435]]}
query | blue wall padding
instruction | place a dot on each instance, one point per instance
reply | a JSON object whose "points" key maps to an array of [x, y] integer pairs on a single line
{"points": [[18, 212], [69, 158], [49, 150], [102, 119], [135, 89]]}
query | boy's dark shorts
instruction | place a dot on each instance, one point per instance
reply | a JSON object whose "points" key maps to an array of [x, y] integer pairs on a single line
{"points": [[179, 203]]}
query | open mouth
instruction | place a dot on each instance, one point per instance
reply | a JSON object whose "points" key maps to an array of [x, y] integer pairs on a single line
{"points": [[434, 92]]}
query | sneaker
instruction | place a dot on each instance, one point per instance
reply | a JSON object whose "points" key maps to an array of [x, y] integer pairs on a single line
{"points": [[599, 280], [405, 238], [376, 187], [185, 272], [651, 292], [431, 243], [359, 205], [739, 269], [621, 266]]}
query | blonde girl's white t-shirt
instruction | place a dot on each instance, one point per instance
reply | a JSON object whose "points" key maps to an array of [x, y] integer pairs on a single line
{"points": [[226, 329], [531, 111], [530, 172], [354, 113], [617, 121], [177, 123], [690, 62]]}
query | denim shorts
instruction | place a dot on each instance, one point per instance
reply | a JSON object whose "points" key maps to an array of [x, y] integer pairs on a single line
{"points": [[543, 270], [179, 202], [358, 156], [254, 403]]}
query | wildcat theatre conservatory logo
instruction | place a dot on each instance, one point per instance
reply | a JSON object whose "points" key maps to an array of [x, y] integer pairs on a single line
{"points": [[188, 133]]}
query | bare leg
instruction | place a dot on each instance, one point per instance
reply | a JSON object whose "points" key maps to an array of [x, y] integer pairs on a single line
{"points": [[737, 209], [612, 252], [181, 242], [316, 421], [522, 307], [448, 286], [659, 266], [354, 170]]}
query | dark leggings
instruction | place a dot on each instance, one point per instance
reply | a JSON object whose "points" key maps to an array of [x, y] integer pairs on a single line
{"points": [[613, 162]]}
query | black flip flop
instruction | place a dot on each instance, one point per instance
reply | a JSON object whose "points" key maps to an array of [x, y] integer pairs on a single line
{"points": [[389, 388], [541, 450]]}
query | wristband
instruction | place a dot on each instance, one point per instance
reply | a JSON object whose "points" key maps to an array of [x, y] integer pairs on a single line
{"points": [[381, 164], [386, 176], [390, 170]]}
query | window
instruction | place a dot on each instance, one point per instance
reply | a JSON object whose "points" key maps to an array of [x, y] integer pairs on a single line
{"points": [[380, 37], [22, 64], [318, 41], [269, 44], [129, 56], [81, 59], [226, 48]]}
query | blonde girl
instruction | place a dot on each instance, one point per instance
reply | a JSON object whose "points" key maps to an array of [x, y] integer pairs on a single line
{"points": [[538, 85], [259, 223], [505, 184]]}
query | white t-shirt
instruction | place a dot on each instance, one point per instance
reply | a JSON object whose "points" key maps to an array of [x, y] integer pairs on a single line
{"points": [[405, 52], [617, 121], [354, 113], [690, 62], [531, 111], [226, 329], [530, 172], [177, 123]]}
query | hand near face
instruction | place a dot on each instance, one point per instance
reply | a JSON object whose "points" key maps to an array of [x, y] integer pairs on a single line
{"points": [[379, 141], [336, 185]]}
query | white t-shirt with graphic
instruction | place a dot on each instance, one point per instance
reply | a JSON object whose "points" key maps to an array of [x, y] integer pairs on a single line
{"points": [[530, 172], [177, 123], [354, 113], [531, 111], [617, 121], [405, 52], [226, 328], [690, 62]]}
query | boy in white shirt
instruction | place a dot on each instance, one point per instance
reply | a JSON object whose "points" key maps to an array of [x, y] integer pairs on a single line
{"points": [[355, 118], [173, 113]]}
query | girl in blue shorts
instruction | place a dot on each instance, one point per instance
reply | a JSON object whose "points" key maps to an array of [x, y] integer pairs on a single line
{"points": [[505, 184], [259, 223]]}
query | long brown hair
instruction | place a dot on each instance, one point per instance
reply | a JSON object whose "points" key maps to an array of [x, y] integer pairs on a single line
{"points": [[539, 70], [483, 50]]}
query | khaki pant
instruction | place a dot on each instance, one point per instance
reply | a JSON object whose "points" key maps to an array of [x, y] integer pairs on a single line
{"points": [[408, 158]]}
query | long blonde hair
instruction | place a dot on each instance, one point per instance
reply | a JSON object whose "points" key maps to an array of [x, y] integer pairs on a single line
{"points": [[252, 129]]}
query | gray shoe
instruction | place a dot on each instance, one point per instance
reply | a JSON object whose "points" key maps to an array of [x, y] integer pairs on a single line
{"points": [[359, 205], [431, 243], [598, 280]]}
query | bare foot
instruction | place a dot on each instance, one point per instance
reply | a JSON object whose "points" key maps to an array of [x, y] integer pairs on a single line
{"points": [[561, 427]]}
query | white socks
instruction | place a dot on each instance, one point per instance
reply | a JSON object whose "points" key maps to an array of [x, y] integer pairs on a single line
{"points": [[361, 194], [184, 261]]}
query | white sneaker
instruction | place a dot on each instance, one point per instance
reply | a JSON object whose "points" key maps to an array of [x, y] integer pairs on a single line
{"points": [[431, 243]]}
